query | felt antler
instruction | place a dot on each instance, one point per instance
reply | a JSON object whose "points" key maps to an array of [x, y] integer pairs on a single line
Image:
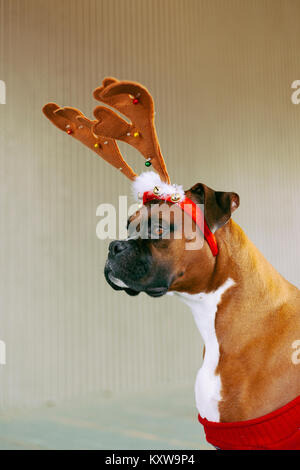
{"points": [[135, 102], [72, 121]]}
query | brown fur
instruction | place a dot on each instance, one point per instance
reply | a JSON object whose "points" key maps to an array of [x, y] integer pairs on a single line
{"points": [[257, 321]]}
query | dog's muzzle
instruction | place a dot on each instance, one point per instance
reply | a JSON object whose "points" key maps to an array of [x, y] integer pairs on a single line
{"points": [[130, 267]]}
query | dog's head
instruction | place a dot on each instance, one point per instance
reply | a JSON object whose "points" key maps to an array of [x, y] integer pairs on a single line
{"points": [[165, 253]]}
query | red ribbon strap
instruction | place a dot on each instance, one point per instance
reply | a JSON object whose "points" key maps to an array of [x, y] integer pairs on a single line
{"points": [[193, 210]]}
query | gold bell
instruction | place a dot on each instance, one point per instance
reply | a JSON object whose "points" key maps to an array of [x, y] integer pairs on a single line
{"points": [[175, 197], [156, 190]]}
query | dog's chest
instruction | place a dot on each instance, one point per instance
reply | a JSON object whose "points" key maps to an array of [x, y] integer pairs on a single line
{"points": [[208, 384]]}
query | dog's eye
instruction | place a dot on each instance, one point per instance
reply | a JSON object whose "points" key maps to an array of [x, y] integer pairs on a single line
{"points": [[158, 230]]}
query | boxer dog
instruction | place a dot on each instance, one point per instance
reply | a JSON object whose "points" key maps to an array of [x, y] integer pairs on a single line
{"points": [[248, 388], [247, 313]]}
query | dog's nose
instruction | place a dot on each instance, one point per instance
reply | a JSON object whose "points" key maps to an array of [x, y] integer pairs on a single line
{"points": [[117, 247]]}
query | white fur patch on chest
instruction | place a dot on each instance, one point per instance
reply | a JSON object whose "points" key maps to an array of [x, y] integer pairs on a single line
{"points": [[208, 384]]}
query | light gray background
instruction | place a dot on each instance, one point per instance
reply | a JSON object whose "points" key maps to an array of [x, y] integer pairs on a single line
{"points": [[221, 74]]}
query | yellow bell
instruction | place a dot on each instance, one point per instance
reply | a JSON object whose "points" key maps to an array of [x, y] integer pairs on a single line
{"points": [[175, 197]]}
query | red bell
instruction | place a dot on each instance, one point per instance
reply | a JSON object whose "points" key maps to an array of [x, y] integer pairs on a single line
{"points": [[135, 100]]}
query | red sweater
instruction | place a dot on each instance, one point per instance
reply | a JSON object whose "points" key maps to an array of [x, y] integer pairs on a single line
{"points": [[279, 430]]}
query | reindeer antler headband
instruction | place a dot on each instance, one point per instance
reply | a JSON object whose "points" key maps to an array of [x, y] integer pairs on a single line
{"points": [[100, 135]]}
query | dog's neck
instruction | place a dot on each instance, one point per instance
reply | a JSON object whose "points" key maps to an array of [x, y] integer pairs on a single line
{"points": [[238, 316]]}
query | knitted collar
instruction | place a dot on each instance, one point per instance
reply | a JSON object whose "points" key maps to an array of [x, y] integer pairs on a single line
{"points": [[278, 430]]}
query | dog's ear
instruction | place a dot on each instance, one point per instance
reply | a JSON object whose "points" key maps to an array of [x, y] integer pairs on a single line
{"points": [[218, 205]]}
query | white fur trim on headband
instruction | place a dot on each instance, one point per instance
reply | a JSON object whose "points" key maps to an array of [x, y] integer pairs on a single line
{"points": [[148, 180]]}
